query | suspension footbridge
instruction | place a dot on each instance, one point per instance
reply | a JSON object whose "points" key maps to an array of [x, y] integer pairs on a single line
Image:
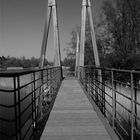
{"points": [[42, 104]]}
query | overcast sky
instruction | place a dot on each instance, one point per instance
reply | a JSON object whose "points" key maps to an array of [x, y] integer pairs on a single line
{"points": [[22, 24]]}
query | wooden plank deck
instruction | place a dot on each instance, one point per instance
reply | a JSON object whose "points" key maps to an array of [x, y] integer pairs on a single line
{"points": [[73, 117]]}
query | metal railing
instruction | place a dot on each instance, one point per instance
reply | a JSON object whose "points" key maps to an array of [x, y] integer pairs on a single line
{"points": [[26, 98], [117, 94]]}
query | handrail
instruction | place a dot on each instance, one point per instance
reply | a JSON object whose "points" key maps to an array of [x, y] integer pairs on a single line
{"points": [[12, 73], [117, 93], [20, 93], [111, 69]]}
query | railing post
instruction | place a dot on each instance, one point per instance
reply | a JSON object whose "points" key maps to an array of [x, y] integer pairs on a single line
{"points": [[41, 95], [15, 105], [78, 72], [103, 91], [61, 72], [33, 103], [113, 99], [92, 83], [51, 86], [81, 71], [96, 86], [53, 80], [19, 107], [55, 70], [135, 104], [132, 106], [89, 81], [100, 82], [83, 76], [86, 79]]}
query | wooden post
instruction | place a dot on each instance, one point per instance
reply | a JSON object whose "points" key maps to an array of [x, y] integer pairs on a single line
{"points": [[96, 54], [51, 11], [82, 40], [45, 36], [86, 5], [57, 59], [77, 55]]}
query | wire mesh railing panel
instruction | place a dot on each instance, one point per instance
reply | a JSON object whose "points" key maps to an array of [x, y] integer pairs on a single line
{"points": [[26, 97], [117, 94]]}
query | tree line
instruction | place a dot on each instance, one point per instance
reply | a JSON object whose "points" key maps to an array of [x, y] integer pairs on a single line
{"points": [[117, 35], [20, 62]]}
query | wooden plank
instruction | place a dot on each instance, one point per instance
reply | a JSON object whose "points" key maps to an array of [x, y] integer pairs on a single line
{"points": [[73, 117]]}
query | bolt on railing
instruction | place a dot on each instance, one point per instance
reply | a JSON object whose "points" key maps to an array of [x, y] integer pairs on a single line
{"points": [[117, 94], [20, 97]]}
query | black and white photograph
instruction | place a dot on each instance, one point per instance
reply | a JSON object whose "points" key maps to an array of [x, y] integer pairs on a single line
{"points": [[69, 69]]}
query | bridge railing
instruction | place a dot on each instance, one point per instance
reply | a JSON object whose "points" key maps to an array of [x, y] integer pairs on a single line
{"points": [[117, 94], [26, 97]]}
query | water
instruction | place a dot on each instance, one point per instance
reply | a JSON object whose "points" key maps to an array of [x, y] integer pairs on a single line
{"points": [[7, 98], [123, 116]]}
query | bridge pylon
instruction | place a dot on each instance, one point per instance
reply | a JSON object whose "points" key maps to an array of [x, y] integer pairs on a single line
{"points": [[86, 9], [51, 11]]}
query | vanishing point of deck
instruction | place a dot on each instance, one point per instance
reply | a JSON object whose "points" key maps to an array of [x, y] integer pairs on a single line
{"points": [[73, 117]]}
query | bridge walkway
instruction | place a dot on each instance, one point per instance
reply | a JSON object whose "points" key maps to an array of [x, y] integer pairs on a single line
{"points": [[73, 117]]}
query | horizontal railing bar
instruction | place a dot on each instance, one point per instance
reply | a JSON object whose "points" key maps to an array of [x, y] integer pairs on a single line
{"points": [[16, 73], [108, 95], [7, 106], [121, 126], [137, 103], [7, 91], [108, 103], [108, 112], [135, 115], [113, 69], [121, 138], [123, 106], [7, 120], [120, 82], [25, 109], [29, 116], [23, 86], [27, 132], [121, 116]]}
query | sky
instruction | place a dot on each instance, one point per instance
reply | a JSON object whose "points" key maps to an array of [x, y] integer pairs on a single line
{"points": [[22, 25]]}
